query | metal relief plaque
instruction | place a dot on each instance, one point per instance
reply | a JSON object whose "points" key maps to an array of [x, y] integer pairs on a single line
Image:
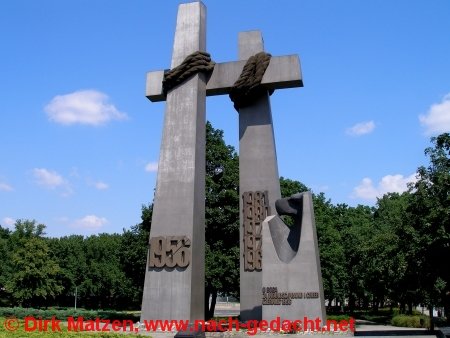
{"points": [[256, 209], [169, 251]]}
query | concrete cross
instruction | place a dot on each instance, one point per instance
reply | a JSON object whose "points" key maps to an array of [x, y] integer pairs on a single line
{"points": [[179, 200], [175, 273]]}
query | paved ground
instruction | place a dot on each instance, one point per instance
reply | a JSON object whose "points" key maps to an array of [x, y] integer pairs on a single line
{"points": [[445, 331], [363, 329], [226, 310], [380, 331], [367, 329]]}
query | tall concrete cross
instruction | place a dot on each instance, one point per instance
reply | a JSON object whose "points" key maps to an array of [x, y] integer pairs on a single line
{"points": [[175, 273], [177, 293], [259, 183]]}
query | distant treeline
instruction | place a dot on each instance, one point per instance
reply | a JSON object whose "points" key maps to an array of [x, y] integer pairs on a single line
{"points": [[395, 253]]}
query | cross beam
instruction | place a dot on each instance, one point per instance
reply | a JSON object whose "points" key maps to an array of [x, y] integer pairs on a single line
{"points": [[282, 72]]}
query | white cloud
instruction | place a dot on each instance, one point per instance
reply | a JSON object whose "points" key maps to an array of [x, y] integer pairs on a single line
{"points": [[5, 187], [361, 128], [151, 167], [8, 221], [51, 180], [389, 183], [101, 185], [90, 222], [83, 107], [47, 178], [437, 119]]}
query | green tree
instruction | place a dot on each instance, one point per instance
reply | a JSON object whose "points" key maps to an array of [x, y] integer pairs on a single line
{"points": [[70, 254], [290, 187], [133, 255], [222, 218], [5, 263], [105, 284], [34, 280], [332, 253], [355, 225], [27, 229], [430, 217], [393, 252]]}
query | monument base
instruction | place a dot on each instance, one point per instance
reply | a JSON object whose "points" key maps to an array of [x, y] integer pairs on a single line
{"points": [[291, 277], [191, 332]]}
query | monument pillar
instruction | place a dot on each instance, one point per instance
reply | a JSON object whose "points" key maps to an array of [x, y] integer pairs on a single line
{"points": [[279, 264], [258, 184], [174, 280]]}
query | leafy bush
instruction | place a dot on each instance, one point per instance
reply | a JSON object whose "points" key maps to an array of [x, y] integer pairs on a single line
{"points": [[339, 317], [411, 321], [381, 316]]}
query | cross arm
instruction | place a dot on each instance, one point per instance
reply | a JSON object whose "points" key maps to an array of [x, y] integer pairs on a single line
{"points": [[282, 72]]}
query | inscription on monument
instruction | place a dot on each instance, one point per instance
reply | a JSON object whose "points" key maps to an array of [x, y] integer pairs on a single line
{"points": [[256, 209], [169, 251], [271, 296]]}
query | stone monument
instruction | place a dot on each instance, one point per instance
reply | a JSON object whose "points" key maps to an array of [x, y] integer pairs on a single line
{"points": [[259, 183], [273, 255], [175, 272], [292, 280], [174, 281]]}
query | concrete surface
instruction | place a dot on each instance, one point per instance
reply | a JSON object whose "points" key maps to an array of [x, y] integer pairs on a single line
{"points": [[282, 72], [179, 204], [291, 264], [258, 171]]}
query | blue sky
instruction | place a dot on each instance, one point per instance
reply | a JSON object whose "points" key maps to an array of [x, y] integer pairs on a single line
{"points": [[79, 141]]}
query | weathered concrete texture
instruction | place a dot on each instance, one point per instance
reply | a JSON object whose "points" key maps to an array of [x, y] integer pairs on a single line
{"points": [[179, 204], [291, 263], [282, 72], [258, 171]]}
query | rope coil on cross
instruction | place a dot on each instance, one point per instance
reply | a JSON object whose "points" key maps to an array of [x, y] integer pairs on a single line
{"points": [[245, 91], [192, 64]]}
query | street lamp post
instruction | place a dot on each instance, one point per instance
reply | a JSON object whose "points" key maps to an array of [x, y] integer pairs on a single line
{"points": [[76, 291]]}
